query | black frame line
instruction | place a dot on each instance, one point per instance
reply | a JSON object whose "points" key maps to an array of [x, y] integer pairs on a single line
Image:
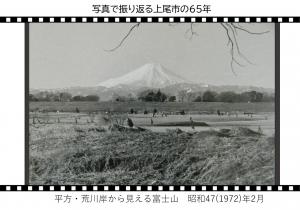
{"points": [[165, 187], [154, 188], [277, 104], [26, 26], [77, 19]]}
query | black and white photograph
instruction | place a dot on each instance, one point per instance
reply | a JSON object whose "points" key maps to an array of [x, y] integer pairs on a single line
{"points": [[151, 104]]}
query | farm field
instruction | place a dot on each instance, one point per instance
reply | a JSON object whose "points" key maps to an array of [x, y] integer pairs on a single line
{"points": [[161, 106], [264, 121], [80, 148]]}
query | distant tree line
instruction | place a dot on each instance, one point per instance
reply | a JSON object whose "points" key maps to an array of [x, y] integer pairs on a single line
{"points": [[159, 96], [147, 95], [150, 95], [61, 96], [207, 96], [232, 97]]}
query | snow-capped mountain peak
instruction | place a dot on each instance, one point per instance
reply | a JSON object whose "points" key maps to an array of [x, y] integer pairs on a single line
{"points": [[151, 75]]}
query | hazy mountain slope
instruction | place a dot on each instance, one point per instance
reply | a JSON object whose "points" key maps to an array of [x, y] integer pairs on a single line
{"points": [[150, 75]]}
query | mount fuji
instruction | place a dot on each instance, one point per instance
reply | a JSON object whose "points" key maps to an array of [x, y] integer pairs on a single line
{"points": [[151, 75]]}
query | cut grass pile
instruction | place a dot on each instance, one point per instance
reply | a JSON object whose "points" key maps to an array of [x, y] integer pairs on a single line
{"points": [[68, 154]]}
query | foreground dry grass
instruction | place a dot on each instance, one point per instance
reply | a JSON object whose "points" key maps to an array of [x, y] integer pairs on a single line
{"points": [[68, 154]]}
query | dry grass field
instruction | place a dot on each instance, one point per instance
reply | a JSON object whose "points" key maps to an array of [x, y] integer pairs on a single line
{"points": [[65, 152]]}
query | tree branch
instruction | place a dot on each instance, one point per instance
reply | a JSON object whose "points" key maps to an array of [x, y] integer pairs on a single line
{"points": [[246, 30], [124, 38], [232, 33], [231, 30], [191, 31]]}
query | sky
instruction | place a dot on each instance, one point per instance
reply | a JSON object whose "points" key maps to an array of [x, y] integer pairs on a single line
{"points": [[75, 54]]}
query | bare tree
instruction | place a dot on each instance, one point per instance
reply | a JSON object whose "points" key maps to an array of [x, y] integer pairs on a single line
{"points": [[231, 31], [182, 95]]}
